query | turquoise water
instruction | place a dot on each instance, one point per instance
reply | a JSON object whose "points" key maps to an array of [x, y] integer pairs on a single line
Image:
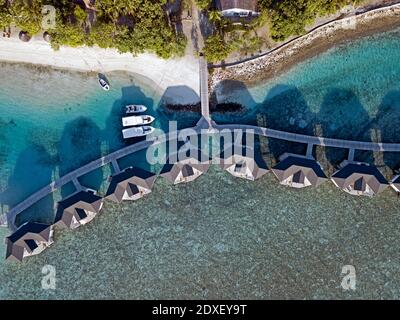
{"points": [[52, 122], [218, 237], [346, 91]]}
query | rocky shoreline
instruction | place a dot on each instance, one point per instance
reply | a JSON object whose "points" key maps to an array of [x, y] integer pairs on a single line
{"points": [[300, 49]]}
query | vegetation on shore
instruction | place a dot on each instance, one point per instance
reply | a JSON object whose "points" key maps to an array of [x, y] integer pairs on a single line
{"points": [[129, 25], [137, 26], [291, 17], [203, 4], [278, 20]]}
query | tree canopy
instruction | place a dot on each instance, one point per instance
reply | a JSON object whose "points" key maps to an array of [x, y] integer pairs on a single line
{"points": [[129, 25], [290, 17], [285, 18]]}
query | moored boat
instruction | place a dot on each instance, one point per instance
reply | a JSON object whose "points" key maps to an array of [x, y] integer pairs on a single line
{"points": [[137, 120], [104, 84], [135, 108], [135, 132]]}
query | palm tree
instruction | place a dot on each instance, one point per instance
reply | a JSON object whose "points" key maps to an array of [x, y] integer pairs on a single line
{"points": [[215, 16]]}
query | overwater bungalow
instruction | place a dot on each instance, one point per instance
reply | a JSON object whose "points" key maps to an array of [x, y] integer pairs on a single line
{"points": [[359, 179], [131, 184], [30, 239], [78, 209], [185, 168], [298, 171], [242, 164]]}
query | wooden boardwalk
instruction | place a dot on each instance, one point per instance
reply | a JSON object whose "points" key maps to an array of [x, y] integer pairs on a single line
{"points": [[204, 95], [205, 125], [113, 157], [313, 140], [91, 166], [3, 221]]}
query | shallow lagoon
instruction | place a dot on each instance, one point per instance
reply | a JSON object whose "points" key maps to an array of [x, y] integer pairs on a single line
{"points": [[218, 237], [52, 122], [346, 92]]}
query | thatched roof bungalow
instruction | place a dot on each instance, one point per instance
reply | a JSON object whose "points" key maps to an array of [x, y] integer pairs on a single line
{"points": [[131, 184], [185, 168], [298, 171], [243, 163], [30, 239], [359, 179], [78, 209]]}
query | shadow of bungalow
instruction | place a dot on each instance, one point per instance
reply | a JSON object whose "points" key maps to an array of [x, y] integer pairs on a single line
{"points": [[293, 170]]}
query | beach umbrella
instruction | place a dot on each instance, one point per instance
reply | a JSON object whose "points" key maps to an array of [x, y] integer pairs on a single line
{"points": [[24, 36], [46, 36]]}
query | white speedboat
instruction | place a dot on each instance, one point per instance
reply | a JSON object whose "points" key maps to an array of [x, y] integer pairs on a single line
{"points": [[137, 120], [135, 108], [104, 84], [137, 132]]}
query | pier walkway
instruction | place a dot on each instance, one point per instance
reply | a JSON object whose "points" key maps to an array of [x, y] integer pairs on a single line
{"points": [[91, 166], [3, 221], [112, 158], [313, 140], [204, 95], [206, 126]]}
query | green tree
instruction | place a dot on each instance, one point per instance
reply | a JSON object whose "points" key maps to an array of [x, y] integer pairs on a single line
{"points": [[290, 17], [66, 34], [132, 26], [5, 15], [216, 49], [27, 15], [215, 16], [80, 15], [203, 4]]}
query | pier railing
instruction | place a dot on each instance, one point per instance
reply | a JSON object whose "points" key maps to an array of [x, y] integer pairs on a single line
{"points": [[313, 140], [112, 158], [205, 125], [91, 166]]}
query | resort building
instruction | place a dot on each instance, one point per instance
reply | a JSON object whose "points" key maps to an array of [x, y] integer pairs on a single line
{"points": [[185, 168], [78, 209], [31, 238], [130, 184], [242, 164], [237, 8], [298, 171], [395, 183], [359, 179]]}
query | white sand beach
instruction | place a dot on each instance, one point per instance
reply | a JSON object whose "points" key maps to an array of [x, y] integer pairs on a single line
{"points": [[165, 73]]}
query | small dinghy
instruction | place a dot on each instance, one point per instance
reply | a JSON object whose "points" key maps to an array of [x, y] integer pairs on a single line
{"points": [[137, 132], [137, 120], [104, 84], [135, 108]]}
